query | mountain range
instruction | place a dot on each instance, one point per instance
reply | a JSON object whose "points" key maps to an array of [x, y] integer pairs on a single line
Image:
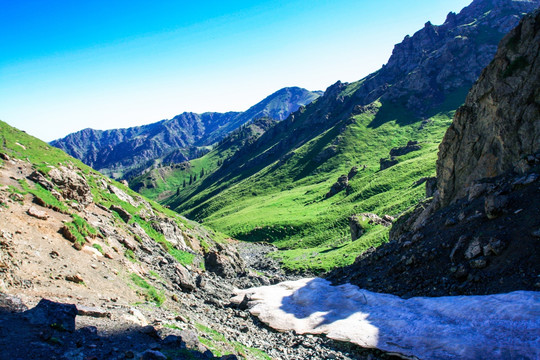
{"points": [[363, 147], [122, 153]]}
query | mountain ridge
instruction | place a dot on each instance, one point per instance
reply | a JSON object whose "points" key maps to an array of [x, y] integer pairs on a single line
{"points": [[117, 151]]}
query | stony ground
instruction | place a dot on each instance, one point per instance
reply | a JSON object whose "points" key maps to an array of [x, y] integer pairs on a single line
{"points": [[109, 316]]}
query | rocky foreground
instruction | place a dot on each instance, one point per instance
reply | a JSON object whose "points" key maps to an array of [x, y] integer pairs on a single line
{"points": [[128, 299]]}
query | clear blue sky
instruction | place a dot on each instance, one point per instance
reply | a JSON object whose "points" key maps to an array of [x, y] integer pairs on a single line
{"points": [[68, 65]]}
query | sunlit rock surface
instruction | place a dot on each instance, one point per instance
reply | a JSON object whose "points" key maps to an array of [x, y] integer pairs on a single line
{"points": [[500, 326]]}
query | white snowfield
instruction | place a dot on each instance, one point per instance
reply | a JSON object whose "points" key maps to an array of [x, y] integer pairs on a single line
{"points": [[501, 326]]}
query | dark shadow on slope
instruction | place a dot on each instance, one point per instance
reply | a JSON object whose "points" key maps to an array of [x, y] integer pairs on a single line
{"points": [[393, 112], [396, 111], [34, 334]]}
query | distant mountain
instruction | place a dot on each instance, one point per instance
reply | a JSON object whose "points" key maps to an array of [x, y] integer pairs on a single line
{"points": [[120, 151], [362, 147]]}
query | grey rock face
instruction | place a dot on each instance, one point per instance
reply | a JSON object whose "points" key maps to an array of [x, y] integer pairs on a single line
{"points": [[500, 121], [436, 60], [72, 185], [225, 262]]}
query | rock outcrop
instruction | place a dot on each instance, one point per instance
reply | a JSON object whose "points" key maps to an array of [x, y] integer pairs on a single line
{"points": [[72, 185], [437, 60], [499, 125]]}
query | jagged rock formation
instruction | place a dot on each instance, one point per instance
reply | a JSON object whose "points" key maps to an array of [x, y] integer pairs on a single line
{"points": [[114, 152], [499, 125], [436, 60]]}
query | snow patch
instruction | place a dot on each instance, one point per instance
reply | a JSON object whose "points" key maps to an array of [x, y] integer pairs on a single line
{"points": [[503, 326]]}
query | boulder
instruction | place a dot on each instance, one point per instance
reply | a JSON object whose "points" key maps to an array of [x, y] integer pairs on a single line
{"points": [[385, 163], [126, 216], [357, 223], [184, 278], [38, 178], [224, 261], [172, 232], [495, 205], [35, 212], [57, 315], [339, 185], [72, 185], [410, 147]]}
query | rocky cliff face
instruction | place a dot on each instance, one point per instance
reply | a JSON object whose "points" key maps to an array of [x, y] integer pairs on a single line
{"points": [[115, 152], [426, 67], [499, 125]]}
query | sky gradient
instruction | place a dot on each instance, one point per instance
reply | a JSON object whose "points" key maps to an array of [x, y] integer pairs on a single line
{"points": [[69, 65]]}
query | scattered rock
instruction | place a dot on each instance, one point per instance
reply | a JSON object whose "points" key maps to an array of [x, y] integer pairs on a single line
{"points": [[77, 278], [35, 212], [473, 250], [495, 205], [92, 312]]}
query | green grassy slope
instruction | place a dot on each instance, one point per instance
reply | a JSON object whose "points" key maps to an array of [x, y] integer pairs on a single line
{"points": [[281, 198]]}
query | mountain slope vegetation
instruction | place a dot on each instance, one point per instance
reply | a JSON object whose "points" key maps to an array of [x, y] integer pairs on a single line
{"points": [[298, 184]]}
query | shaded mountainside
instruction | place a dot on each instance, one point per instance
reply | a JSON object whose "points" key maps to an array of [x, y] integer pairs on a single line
{"points": [[274, 189], [115, 152], [485, 238]]}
